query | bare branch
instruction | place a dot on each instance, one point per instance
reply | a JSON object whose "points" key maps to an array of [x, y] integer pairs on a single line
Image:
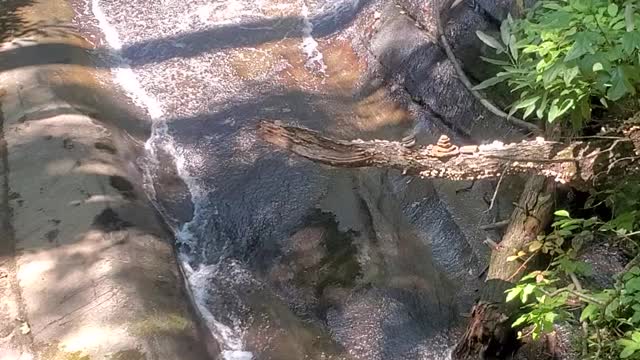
{"points": [[467, 83]]}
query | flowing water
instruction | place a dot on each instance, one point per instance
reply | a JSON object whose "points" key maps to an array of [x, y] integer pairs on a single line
{"points": [[285, 259]]}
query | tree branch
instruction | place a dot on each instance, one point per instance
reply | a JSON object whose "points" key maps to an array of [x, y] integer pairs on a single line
{"points": [[577, 163], [467, 83]]}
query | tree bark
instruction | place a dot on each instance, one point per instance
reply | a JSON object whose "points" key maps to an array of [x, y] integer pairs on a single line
{"points": [[581, 164], [489, 334]]}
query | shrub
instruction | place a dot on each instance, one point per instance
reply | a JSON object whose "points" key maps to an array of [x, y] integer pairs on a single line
{"points": [[567, 54]]}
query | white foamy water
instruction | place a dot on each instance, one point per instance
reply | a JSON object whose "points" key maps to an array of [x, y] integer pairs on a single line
{"points": [[124, 75], [315, 59], [230, 339], [226, 12]]}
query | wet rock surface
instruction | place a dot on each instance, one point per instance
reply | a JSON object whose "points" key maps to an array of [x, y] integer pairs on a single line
{"points": [[287, 259]]}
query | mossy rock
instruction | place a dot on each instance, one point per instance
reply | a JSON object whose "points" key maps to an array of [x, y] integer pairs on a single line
{"points": [[168, 323]]}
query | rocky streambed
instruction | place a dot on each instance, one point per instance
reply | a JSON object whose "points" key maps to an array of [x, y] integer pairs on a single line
{"points": [[286, 259]]}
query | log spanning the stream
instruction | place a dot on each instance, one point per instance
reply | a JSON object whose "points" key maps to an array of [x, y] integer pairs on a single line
{"points": [[578, 163]]}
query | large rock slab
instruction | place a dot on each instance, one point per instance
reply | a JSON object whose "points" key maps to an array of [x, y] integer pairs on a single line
{"points": [[86, 267]]}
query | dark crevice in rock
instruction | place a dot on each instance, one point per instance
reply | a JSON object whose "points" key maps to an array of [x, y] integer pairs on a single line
{"points": [[109, 221]]}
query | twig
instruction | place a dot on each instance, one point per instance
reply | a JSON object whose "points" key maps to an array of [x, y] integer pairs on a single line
{"points": [[495, 225], [467, 84], [612, 165], [495, 193], [492, 244], [633, 261], [521, 267], [585, 336], [484, 271], [578, 294], [575, 281], [585, 329], [597, 356], [535, 160]]}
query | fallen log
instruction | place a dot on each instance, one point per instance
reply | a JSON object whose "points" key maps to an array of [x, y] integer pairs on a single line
{"points": [[581, 164]]}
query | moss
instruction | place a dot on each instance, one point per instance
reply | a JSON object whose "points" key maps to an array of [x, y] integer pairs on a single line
{"points": [[340, 267], [131, 354], [54, 352], [170, 323]]}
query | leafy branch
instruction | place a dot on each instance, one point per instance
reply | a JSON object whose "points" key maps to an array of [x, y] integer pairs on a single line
{"points": [[565, 54]]}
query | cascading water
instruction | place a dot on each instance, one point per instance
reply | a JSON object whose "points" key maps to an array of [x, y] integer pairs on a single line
{"points": [[277, 269]]}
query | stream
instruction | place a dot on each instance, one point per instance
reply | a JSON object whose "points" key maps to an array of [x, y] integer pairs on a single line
{"points": [[286, 259]]}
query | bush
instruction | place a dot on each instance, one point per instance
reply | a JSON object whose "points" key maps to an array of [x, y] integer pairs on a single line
{"points": [[566, 55]]}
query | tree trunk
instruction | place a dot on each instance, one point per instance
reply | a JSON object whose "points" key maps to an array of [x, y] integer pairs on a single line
{"points": [[489, 334]]}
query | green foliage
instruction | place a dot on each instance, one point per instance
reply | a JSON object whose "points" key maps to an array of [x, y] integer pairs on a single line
{"points": [[611, 316], [566, 53], [630, 345], [543, 288]]}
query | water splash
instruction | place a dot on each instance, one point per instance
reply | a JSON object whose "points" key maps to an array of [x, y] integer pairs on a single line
{"points": [[230, 337], [315, 59], [161, 139], [123, 73]]}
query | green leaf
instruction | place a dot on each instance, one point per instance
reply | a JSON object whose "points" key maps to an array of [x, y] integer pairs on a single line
{"points": [[626, 342], [583, 45], [505, 32], [562, 213], [528, 111], [630, 41], [629, 349], [490, 41], [490, 82], [526, 291], [588, 311], [618, 26], [612, 307], [549, 319], [554, 111], [513, 48], [552, 73], [604, 103], [552, 6], [612, 10], [542, 107], [569, 75], [628, 17], [495, 61], [597, 67], [513, 293], [620, 85], [633, 285], [526, 103], [519, 321], [566, 105]]}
